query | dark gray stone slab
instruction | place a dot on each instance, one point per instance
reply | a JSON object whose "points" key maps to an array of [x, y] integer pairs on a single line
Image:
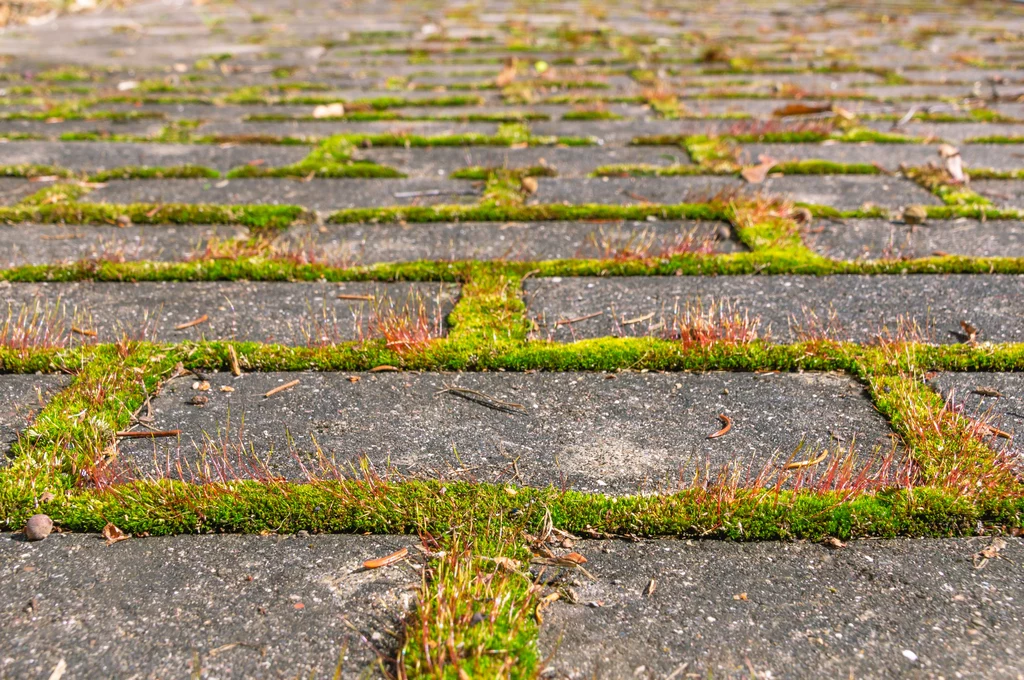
{"points": [[995, 156], [862, 306], [14, 189], [25, 244], [92, 156], [874, 609], [286, 313], [320, 129], [1005, 193], [888, 156], [975, 394], [882, 239], [843, 192], [955, 133], [242, 606], [370, 243], [592, 432], [851, 192], [621, 132], [567, 162], [21, 398], [635, 190], [316, 194]]}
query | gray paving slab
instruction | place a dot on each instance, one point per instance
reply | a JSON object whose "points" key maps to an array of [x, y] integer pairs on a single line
{"points": [[993, 398], [367, 244], [882, 239], [201, 606], [843, 192], [785, 306], [874, 609], [320, 129], [1005, 193], [315, 194], [566, 162], [888, 156], [21, 398], [616, 434], [955, 133], [36, 244], [91, 156], [14, 189], [286, 313]]}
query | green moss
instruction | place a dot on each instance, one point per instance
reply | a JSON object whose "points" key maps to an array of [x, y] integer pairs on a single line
{"points": [[256, 216], [29, 170], [525, 213], [591, 115], [996, 139], [477, 172]]}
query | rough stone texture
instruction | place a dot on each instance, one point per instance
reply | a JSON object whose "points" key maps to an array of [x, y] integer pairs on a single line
{"points": [[286, 313], [33, 244], [1005, 193], [21, 398], [369, 243], [790, 610], [993, 398], [13, 190], [612, 433], [889, 156], [316, 194], [855, 308], [882, 239], [202, 606]]}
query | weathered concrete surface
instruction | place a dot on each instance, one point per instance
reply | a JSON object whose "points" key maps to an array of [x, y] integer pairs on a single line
{"points": [[882, 239], [996, 399], [200, 606], [874, 609], [278, 312], [369, 243], [21, 398], [785, 308], [615, 433]]}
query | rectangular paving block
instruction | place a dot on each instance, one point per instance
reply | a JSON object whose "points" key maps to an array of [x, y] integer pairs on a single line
{"points": [[37, 244], [843, 192], [873, 609], [305, 314], [618, 434], [14, 189], [783, 308], [370, 243], [883, 239], [316, 194], [889, 156], [21, 398], [1004, 193], [201, 606], [993, 398], [93, 156]]}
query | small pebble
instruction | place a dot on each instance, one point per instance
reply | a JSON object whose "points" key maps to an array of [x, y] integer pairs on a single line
{"points": [[38, 527]]}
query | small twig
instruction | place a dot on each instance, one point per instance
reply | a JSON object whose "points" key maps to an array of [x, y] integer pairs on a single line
{"points": [[482, 399], [236, 370], [281, 388], [346, 296], [190, 324], [566, 322], [149, 435], [806, 463], [386, 560], [84, 331]]}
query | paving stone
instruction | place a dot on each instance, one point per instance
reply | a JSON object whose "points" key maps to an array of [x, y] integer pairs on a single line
{"points": [[1005, 193], [862, 306], [316, 194], [286, 313], [955, 133], [14, 189], [367, 244], [843, 192], [242, 606], [93, 156], [36, 244], [874, 609], [975, 394], [321, 129], [888, 156], [21, 398], [882, 239], [567, 162], [636, 432]]}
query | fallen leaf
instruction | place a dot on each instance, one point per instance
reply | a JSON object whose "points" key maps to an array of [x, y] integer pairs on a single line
{"points": [[529, 185], [982, 557], [354, 378], [575, 558], [756, 174], [954, 163], [126, 85], [651, 585], [507, 563], [970, 331], [915, 214], [335, 110], [227, 388], [201, 385], [543, 604], [382, 368], [114, 535], [987, 391], [833, 542], [741, 596], [507, 75], [299, 605]]}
